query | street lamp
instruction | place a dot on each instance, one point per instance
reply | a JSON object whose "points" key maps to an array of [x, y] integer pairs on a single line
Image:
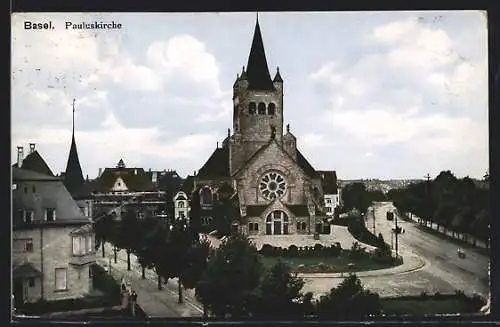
{"points": [[396, 230]]}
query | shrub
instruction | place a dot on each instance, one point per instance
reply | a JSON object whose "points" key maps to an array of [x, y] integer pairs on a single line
{"points": [[293, 250], [267, 250]]}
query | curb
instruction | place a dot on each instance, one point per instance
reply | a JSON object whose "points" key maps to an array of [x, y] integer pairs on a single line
{"points": [[382, 273]]}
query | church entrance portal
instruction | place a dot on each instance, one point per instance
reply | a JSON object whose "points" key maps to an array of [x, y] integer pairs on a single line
{"points": [[277, 223]]}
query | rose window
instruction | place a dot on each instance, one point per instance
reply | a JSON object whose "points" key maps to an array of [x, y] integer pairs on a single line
{"points": [[272, 185]]}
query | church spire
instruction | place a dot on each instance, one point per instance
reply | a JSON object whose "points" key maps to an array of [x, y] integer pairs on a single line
{"points": [[73, 177], [257, 70]]}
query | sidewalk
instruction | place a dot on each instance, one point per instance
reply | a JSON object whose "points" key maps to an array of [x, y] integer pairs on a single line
{"points": [[153, 302], [466, 238]]}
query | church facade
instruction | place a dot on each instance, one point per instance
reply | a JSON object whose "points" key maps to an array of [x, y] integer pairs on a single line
{"points": [[275, 188]]}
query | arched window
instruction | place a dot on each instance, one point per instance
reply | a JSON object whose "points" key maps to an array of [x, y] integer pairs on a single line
{"points": [[269, 225], [298, 226], [252, 107], [250, 227], [206, 196], [180, 204], [277, 223], [271, 109], [262, 108], [304, 226], [285, 224], [256, 227]]}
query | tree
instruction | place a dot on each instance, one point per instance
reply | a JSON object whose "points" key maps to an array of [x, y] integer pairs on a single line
{"points": [[231, 278], [356, 196], [349, 301], [103, 226], [126, 236], [280, 294], [144, 250]]}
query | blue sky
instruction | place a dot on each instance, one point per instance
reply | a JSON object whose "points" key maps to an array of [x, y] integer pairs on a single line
{"points": [[368, 94]]}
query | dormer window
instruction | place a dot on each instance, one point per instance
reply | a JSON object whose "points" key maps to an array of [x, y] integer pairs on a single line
{"points": [[180, 204], [50, 214], [262, 108], [271, 109], [252, 108]]}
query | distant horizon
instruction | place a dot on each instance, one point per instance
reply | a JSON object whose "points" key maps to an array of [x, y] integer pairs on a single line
{"points": [[365, 93]]}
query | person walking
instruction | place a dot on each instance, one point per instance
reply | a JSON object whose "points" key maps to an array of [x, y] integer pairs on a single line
{"points": [[133, 301]]}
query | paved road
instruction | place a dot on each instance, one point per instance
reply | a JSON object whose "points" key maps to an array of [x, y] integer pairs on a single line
{"points": [[154, 302], [444, 272]]}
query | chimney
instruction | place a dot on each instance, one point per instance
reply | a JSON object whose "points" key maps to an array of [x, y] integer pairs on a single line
{"points": [[32, 147], [20, 156], [100, 173]]}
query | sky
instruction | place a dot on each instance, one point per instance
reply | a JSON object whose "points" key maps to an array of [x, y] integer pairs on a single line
{"points": [[367, 94]]}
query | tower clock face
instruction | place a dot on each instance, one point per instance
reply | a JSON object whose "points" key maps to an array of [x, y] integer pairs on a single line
{"points": [[272, 185]]}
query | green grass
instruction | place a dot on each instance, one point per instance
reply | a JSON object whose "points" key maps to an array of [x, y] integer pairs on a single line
{"points": [[339, 264], [431, 305]]}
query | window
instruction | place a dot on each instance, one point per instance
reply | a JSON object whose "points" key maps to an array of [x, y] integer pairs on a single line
{"points": [[252, 107], [34, 189], [262, 108], [256, 227], [31, 282], [271, 109], [250, 227], [61, 277], [76, 246], [90, 272], [328, 201], [89, 244], [28, 216], [328, 209], [28, 246], [14, 186], [182, 215], [180, 204], [50, 214], [206, 196], [298, 226], [304, 226], [25, 189]]}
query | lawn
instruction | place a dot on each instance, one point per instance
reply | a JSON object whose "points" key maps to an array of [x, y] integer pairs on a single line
{"points": [[326, 264], [431, 305]]}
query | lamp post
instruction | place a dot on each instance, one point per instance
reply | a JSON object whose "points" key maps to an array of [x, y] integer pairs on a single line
{"points": [[396, 230]]}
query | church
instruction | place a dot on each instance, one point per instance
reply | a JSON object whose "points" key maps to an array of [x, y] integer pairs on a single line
{"points": [[275, 188]]}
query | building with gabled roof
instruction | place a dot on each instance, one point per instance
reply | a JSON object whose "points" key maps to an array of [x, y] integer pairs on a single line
{"points": [[122, 184], [52, 241], [278, 190]]}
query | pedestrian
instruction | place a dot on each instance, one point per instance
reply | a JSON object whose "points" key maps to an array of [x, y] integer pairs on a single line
{"points": [[133, 300]]}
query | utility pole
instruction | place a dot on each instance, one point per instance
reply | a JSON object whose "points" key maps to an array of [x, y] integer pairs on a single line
{"points": [[396, 231], [373, 216], [428, 218]]}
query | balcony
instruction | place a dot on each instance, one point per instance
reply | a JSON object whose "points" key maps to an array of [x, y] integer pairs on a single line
{"points": [[82, 259]]}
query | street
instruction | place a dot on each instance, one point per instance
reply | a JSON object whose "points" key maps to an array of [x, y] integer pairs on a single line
{"points": [[443, 272]]}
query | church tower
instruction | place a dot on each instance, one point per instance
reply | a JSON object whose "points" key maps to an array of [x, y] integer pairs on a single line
{"points": [[73, 177], [258, 106]]}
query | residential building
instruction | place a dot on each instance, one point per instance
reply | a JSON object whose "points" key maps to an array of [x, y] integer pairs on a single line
{"points": [[52, 242], [129, 186], [331, 192], [181, 206], [170, 182], [275, 188]]}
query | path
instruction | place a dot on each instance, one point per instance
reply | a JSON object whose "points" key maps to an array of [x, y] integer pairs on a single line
{"points": [[154, 303]]}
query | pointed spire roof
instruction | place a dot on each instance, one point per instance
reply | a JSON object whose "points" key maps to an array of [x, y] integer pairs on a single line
{"points": [[257, 70], [73, 176], [277, 77]]}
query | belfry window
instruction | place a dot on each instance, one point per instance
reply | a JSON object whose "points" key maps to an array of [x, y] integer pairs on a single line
{"points": [[271, 109], [252, 108], [262, 108]]}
